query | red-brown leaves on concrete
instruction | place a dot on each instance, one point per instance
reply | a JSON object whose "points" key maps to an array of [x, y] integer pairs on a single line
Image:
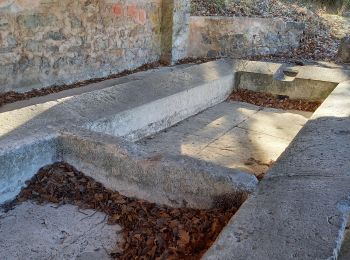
{"points": [[268, 100], [151, 231]]}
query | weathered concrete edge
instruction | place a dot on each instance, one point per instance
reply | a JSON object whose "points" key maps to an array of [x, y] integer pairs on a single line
{"points": [[22, 160], [249, 221], [307, 72], [166, 179], [123, 166], [175, 108], [311, 83]]}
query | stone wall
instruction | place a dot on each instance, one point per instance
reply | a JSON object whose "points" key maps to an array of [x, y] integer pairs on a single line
{"points": [[241, 36], [175, 29], [54, 42]]}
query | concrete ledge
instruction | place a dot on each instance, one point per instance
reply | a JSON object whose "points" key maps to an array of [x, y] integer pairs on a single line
{"points": [[173, 180], [322, 147], [301, 208], [22, 160], [123, 166], [159, 102], [297, 82], [133, 109], [288, 218]]}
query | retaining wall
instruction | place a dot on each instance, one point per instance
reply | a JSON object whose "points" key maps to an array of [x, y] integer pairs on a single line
{"points": [[45, 43], [241, 36]]}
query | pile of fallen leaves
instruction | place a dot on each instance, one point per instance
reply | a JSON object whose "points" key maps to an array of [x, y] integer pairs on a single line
{"points": [[151, 231], [318, 42], [273, 101]]}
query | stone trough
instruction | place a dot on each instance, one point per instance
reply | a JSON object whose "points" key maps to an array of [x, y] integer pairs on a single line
{"points": [[299, 210]]}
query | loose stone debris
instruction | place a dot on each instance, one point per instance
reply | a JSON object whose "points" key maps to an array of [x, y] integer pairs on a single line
{"points": [[149, 230]]}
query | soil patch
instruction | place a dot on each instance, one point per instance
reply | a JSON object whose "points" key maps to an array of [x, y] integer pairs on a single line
{"points": [[273, 101], [151, 231]]}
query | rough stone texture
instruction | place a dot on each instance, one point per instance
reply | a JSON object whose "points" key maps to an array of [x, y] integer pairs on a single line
{"points": [[181, 22], [241, 36], [232, 134], [288, 218], [44, 43], [301, 208], [175, 29], [31, 231], [22, 159], [344, 50]]}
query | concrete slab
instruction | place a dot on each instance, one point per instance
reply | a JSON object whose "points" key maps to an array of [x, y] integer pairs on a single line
{"points": [[323, 144], [177, 143], [132, 110], [163, 178], [246, 150], [288, 218], [31, 231], [231, 134], [301, 208], [91, 87], [21, 159], [309, 83], [214, 122], [276, 122]]}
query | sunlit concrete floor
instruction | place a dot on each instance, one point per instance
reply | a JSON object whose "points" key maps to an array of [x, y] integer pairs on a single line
{"points": [[32, 231], [232, 134]]}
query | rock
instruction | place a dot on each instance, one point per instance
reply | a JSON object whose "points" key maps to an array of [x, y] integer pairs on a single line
{"points": [[344, 49]]}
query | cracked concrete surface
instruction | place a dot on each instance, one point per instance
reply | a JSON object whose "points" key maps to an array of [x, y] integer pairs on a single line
{"points": [[232, 134], [31, 231]]}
